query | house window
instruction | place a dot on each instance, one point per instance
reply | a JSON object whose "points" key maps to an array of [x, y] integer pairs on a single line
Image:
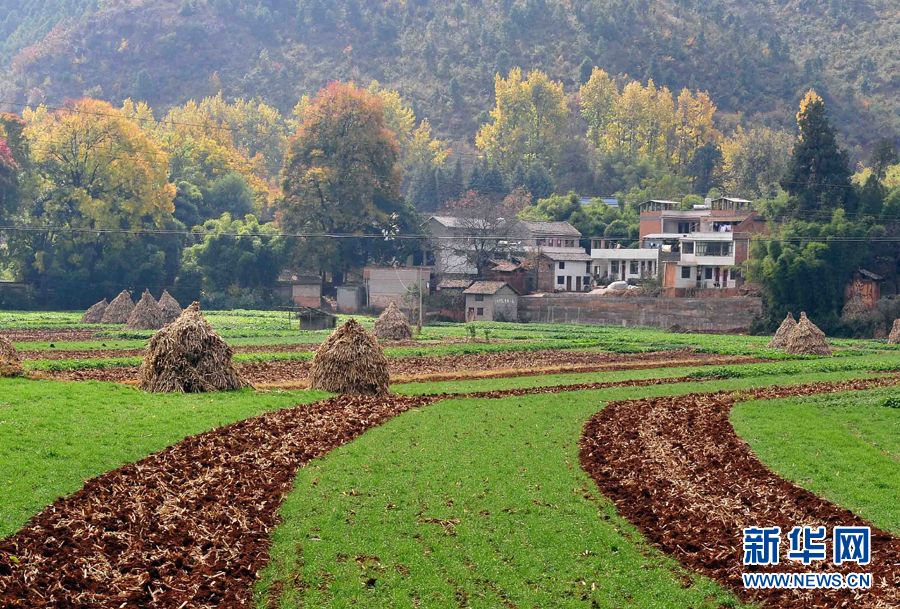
{"points": [[687, 247], [714, 248], [685, 272], [562, 265], [560, 280], [708, 272], [479, 311], [615, 267], [633, 267], [479, 297], [587, 268]]}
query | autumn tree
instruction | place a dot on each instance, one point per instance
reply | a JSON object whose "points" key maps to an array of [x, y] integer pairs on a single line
{"points": [[485, 226], [818, 175], [527, 123], [95, 171], [212, 140], [646, 123], [342, 175], [9, 188], [754, 161]]}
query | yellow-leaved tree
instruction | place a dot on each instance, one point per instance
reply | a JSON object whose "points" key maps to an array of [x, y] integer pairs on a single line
{"points": [[528, 122], [98, 174]]}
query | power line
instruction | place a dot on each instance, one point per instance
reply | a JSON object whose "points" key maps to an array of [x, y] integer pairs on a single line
{"points": [[390, 237]]}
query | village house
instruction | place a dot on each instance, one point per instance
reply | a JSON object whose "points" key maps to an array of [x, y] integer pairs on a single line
{"points": [[698, 248], [518, 239], [301, 289], [400, 285], [491, 301], [563, 271]]}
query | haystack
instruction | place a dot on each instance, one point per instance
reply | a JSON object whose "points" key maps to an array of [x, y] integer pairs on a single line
{"points": [[146, 315], [10, 364], [187, 356], [170, 307], [894, 336], [783, 332], [350, 361], [855, 307], [392, 324], [94, 315], [807, 339], [119, 309]]}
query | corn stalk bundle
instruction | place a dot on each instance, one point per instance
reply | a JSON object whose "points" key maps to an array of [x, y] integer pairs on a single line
{"points": [[170, 307], [187, 356], [894, 336], [10, 364], [855, 307], [807, 339], [350, 361], [146, 315], [119, 309], [392, 324], [783, 332], [94, 315]]}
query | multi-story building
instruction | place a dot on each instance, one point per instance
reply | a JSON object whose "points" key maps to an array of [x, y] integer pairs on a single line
{"points": [[702, 247]]}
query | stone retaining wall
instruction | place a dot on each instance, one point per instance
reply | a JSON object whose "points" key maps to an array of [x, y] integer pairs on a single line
{"points": [[728, 314]]}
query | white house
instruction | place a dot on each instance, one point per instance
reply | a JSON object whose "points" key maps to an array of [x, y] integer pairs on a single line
{"points": [[622, 263]]}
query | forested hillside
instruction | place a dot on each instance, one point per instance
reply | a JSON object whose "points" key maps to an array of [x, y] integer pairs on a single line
{"points": [[755, 59]]}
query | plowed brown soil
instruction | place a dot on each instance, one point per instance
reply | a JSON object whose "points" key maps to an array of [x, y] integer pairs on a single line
{"points": [[102, 353], [675, 468], [455, 367], [186, 527], [38, 335]]}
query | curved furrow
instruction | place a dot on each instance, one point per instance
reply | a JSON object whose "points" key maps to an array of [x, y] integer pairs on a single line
{"points": [[185, 527], [676, 469]]}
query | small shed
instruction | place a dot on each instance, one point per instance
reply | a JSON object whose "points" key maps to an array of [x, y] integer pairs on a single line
{"points": [[350, 298], [302, 289], [491, 301], [314, 319], [863, 291]]}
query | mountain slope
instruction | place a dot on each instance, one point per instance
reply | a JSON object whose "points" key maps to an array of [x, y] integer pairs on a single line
{"points": [[755, 58]]}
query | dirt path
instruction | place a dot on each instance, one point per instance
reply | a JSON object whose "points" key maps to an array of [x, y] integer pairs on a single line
{"points": [[293, 374], [675, 468]]}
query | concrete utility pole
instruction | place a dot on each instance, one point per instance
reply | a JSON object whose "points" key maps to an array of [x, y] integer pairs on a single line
{"points": [[421, 298]]}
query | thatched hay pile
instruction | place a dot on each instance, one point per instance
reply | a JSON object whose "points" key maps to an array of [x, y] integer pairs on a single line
{"points": [[146, 315], [10, 364], [807, 339], [170, 307], [894, 336], [94, 315], [783, 332], [119, 309], [855, 307], [187, 356], [350, 361], [392, 324]]}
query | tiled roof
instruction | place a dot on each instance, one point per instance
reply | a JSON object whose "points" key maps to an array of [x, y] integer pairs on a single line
{"points": [[487, 287], [566, 256], [541, 229], [454, 284]]}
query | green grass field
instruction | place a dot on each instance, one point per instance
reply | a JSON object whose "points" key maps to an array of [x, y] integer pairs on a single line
{"points": [[54, 436], [468, 502], [843, 447], [526, 525]]}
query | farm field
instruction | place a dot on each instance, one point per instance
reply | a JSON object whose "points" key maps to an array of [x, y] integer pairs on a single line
{"points": [[470, 488]]}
